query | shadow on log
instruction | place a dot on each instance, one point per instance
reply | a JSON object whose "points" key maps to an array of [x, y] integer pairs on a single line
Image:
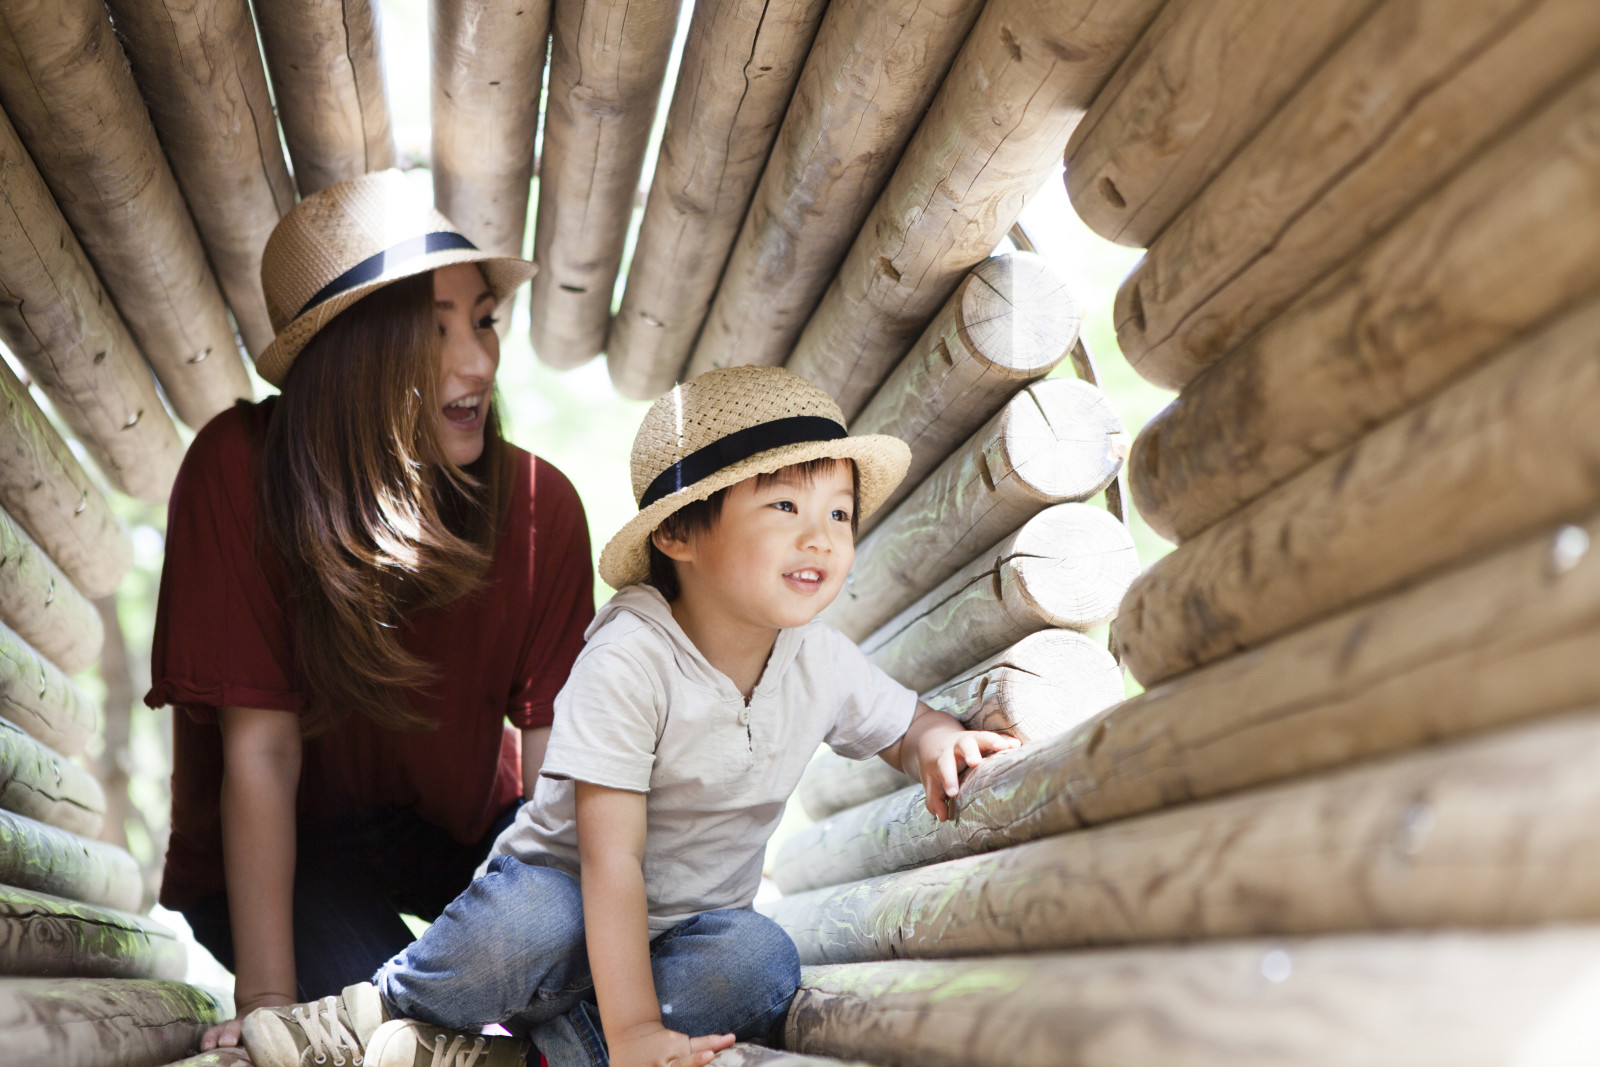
{"points": [[43, 701], [44, 935], [42, 606], [103, 1022], [46, 860], [46, 786]]}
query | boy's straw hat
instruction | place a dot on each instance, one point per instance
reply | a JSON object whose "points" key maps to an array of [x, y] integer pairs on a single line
{"points": [[340, 243], [728, 425]]}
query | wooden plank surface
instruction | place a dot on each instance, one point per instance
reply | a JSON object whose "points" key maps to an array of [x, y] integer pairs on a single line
{"points": [[102, 1022], [42, 700], [47, 860], [47, 936], [42, 606], [46, 786]]}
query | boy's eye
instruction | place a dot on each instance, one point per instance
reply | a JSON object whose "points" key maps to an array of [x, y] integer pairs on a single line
{"points": [[784, 505], [841, 515]]}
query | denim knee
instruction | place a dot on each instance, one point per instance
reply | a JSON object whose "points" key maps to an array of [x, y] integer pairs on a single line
{"points": [[729, 971]]}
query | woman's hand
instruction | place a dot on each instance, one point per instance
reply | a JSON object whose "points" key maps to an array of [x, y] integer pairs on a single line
{"points": [[659, 1047], [226, 1035]]}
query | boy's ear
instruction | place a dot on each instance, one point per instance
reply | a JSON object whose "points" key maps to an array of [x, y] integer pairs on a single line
{"points": [[673, 547]]}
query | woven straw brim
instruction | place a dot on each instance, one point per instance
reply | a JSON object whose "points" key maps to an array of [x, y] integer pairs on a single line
{"points": [[502, 274], [881, 463]]}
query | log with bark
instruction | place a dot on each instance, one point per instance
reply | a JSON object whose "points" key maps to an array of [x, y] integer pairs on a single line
{"points": [[103, 1022], [607, 61], [1411, 95], [46, 786], [217, 1057], [65, 83], [199, 67], [1420, 999], [44, 935], [747, 1055], [739, 67], [993, 134], [41, 605], [1201, 80], [47, 860], [1391, 326], [326, 62], [832, 782], [1067, 566], [42, 700], [871, 72], [1056, 441]]}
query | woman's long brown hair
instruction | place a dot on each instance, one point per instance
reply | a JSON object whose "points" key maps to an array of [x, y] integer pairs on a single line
{"points": [[369, 517]]}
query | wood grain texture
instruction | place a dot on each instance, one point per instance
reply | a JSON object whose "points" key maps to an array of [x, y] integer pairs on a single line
{"points": [[1419, 1000], [832, 782], [1410, 96], [1200, 81], [1463, 274], [739, 68], [1056, 441], [1067, 566], [42, 606], [37, 696], [47, 860], [607, 62], [1009, 323], [488, 73], [871, 73], [65, 83], [101, 1022], [46, 786], [1415, 494], [745, 1054], [47, 936], [993, 133], [218, 1057], [326, 62], [200, 71]]}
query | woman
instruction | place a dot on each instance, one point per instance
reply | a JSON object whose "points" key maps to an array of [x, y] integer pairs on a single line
{"points": [[363, 581]]}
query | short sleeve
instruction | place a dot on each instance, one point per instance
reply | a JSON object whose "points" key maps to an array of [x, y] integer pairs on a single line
{"points": [[874, 710], [607, 722]]}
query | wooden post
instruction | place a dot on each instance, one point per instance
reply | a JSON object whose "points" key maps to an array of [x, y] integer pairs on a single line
{"points": [[488, 70], [1056, 441], [199, 68], [103, 1022], [66, 85], [1354, 349], [47, 860], [1067, 566], [1404, 500], [326, 63], [1413, 93], [60, 324], [40, 604], [1201, 80], [46, 786], [1009, 322], [41, 699], [872, 70], [1014, 93], [1420, 999], [44, 935], [833, 783], [607, 61], [740, 63]]}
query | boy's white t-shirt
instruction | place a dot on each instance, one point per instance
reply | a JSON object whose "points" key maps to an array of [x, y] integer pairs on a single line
{"points": [[644, 711]]}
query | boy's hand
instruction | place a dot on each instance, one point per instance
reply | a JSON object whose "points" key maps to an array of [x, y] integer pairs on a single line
{"points": [[939, 748], [659, 1047]]}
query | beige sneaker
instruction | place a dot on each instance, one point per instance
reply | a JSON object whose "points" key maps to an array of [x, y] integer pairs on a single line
{"points": [[331, 1031], [408, 1043]]}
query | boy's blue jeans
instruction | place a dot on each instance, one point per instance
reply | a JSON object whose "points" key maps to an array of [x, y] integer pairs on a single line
{"points": [[510, 949]]}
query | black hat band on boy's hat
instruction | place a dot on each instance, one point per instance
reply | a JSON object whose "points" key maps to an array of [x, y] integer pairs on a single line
{"points": [[740, 445]]}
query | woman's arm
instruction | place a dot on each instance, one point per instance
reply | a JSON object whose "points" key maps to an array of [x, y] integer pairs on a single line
{"points": [[260, 777]]}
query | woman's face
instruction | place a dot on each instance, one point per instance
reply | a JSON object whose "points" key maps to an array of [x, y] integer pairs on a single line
{"points": [[469, 355]]}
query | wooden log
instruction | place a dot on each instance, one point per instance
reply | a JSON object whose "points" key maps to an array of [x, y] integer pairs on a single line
{"points": [[1009, 323], [607, 62], [326, 62], [217, 1057], [41, 605], [1056, 441], [1201, 80], [1422, 1000], [1502, 641], [38, 697], [488, 72], [59, 323], [199, 67], [1390, 327], [1413, 93], [833, 783], [1402, 501], [1017, 88], [739, 68], [46, 786], [872, 71], [101, 1022], [1067, 566], [66, 85], [47, 860], [44, 935], [745, 1054]]}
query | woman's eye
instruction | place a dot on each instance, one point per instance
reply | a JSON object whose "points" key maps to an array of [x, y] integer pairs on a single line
{"points": [[487, 322]]}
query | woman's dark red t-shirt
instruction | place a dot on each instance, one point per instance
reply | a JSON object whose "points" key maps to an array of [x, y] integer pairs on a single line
{"points": [[222, 639]]}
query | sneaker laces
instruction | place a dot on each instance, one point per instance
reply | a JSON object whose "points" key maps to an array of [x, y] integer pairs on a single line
{"points": [[331, 1040], [455, 1055]]}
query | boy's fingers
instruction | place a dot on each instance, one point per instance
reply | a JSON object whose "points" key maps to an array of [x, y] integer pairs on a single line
{"points": [[947, 772], [712, 1043]]}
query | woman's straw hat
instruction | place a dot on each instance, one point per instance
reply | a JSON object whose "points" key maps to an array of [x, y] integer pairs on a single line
{"points": [[728, 425], [340, 243]]}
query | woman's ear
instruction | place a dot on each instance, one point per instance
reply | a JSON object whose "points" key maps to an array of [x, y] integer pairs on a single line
{"points": [[677, 548]]}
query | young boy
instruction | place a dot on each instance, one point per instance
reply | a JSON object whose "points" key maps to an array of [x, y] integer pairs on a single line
{"points": [[613, 919]]}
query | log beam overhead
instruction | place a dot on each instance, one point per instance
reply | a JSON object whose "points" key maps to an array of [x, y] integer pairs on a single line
{"points": [[1056, 441], [326, 64], [488, 72], [1390, 327], [739, 67], [200, 70], [46, 786], [870, 75], [98, 1022], [45, 936], [40, 604], [607, 62], [44, 859], [1410, 96], [994, 132], [66, 85], [38, 697]]}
